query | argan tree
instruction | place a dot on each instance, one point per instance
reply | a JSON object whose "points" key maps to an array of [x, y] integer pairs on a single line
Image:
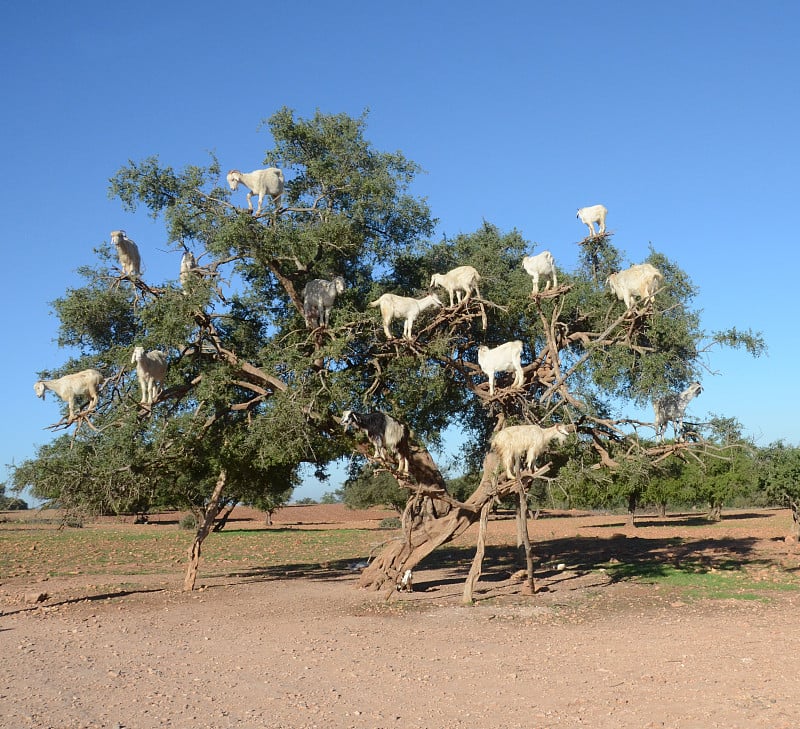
{"points": [[253, 393]]}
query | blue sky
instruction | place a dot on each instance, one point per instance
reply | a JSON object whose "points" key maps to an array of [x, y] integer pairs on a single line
{"points": [[680, 117]]}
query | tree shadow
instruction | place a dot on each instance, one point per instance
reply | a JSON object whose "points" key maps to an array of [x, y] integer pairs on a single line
{"points": [[630, 556], [687, 520], [568, 562], [82, 598]]}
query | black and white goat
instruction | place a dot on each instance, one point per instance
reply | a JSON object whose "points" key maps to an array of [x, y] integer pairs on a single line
{"points": [[671, 409], [386, 434]]}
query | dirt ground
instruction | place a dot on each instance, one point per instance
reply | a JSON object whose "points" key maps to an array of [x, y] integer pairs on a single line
{"points": [[312, 650]]}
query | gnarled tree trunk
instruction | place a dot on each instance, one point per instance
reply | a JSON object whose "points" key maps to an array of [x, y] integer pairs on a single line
{"points": [[433, 518], [203, 531]]}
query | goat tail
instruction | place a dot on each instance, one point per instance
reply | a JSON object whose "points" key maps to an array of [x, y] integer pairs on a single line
{"points": [[377, 302]]}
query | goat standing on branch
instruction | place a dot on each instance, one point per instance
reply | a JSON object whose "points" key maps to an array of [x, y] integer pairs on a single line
{"points": [[641, 280], [461, 281], [268, 181], [403, 307], [671, 409], [188, 265], [70, 387], [529, 440], [591, 215], [128, 254], [384, 432], [503, 358], [543, 265], [151, 369], [319, 296]]}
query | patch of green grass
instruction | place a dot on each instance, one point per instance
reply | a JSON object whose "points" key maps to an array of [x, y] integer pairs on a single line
{"points": [[693, 580]]}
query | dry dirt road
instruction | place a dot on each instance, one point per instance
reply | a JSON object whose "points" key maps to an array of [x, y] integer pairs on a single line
{"points": [[310, 651]]}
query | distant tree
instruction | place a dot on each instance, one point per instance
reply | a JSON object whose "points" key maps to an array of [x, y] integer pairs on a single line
{"points": [[370, 488], [779, 476], [726, 469], [330, 497], [10, 503], [269, 502], [670, 484], [306, 501]]}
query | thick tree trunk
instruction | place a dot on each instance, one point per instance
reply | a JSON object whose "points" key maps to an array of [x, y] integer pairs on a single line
{"points": [[433, 518], [205, 528]]}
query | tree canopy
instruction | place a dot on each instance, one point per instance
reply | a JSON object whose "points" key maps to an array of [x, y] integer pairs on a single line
{"points": [[253, 393]]}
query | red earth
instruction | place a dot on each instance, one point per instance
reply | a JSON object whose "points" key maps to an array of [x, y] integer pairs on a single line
{"points": [[312, 650]]}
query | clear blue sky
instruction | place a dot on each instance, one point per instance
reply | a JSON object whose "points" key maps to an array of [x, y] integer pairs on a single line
{"points": [[680, 117]]}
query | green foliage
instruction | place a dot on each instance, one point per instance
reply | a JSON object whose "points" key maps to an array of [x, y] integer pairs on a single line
{"points": [[779, 473], [253, 392], [368, 488]]}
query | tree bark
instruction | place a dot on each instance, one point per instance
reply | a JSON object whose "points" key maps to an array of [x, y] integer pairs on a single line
{"points": [[433, 518], [526, 540], [477, 561], [212, 509]]}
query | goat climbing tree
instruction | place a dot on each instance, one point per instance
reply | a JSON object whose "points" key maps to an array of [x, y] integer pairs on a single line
{"points": [[253, 394]]}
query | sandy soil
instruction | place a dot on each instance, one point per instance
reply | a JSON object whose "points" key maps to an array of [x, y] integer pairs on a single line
{"points": [[314, 651]]}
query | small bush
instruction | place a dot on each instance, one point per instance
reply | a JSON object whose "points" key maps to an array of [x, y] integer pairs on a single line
{"points": [[188, 522], [390, 522]]}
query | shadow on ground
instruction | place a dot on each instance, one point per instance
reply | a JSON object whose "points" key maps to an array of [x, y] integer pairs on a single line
{"points": [[621, 558]]}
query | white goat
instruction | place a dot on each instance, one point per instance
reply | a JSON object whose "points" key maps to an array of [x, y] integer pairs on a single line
{"points": [[671, 409], [591, 215], [188, 264], [384, 432], [128, 253], [503, 358], [529, 440], [319, 296], [151, 369], [397, 307], [461, 280], [268, 181], [641, 280], [85, 383], [542, 264]]}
